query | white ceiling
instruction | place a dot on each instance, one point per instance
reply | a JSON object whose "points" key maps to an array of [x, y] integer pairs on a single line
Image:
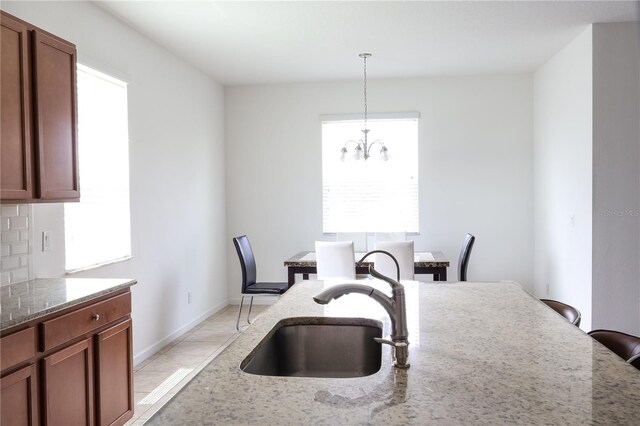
{"points": [[274, 42]]}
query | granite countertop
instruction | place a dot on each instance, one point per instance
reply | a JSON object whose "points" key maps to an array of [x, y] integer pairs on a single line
{"points": [[29, 300], [480, 353]]}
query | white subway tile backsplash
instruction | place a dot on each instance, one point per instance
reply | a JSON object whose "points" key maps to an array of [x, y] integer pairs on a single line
{"points": [[21, 247], [19, 275], [10, 236], [10, 210], [10, 262], [20, 222], [14, 238]]}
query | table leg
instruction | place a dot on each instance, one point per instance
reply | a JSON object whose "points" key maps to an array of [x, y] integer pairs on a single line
{"points": [[440, 274], [291, 276], [305, 276]]}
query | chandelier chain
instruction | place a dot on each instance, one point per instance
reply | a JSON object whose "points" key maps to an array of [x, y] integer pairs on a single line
{"points": [[363, 148], [365, 93]]}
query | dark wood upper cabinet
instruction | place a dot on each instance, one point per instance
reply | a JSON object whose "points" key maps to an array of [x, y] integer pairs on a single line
{"points": [[39, 115], [55, 117], [15, 133]]}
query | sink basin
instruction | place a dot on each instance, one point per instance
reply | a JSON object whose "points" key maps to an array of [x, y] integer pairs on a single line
{"points": [[318, 347]]}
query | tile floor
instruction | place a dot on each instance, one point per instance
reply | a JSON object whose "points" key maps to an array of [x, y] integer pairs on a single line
{"points": [[159, 378]]}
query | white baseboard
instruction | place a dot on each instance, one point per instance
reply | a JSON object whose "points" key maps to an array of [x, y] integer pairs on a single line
{"points": [[156, 347]]}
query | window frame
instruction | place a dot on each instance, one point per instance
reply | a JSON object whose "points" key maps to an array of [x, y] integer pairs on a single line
{"points": [[414, 228], [123, 83]]}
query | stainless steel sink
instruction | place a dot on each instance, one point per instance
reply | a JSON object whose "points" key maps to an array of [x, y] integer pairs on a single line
{"points": [[318, 347]]}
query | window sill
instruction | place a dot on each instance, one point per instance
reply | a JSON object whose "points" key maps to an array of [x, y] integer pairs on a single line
{"points": [[98, 265]]}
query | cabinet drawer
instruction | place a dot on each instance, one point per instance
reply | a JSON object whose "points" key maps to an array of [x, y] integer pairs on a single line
{"points": [[67, 327], [17, 347]]}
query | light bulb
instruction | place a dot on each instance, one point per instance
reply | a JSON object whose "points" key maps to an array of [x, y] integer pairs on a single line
{"points": [[384, 154], [357, 154]]}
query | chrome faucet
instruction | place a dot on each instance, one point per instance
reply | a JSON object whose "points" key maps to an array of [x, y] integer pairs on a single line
{"points": [[394, 305]]}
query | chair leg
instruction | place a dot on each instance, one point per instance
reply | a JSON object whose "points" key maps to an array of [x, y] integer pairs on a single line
{"points": [[249, 314], [239, 313]]}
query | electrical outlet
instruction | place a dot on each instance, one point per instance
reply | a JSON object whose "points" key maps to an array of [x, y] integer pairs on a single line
{"points": [[189, 297], [46, 241]]}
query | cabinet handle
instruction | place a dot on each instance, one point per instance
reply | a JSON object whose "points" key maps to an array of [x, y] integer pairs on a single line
{"points": [[95, 317]]}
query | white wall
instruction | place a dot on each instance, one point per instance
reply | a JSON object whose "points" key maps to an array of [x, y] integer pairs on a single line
{"points": [[563, 169], [616, 177], [177, 176], [587, 177], [475, 156]]}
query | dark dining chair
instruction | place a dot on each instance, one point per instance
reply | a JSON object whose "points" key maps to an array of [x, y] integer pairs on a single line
{"points": [[250, 287], [465, 253], [567, 311], [626, 346]]}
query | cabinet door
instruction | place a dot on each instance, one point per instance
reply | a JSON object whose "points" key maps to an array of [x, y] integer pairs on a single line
{"points": [[55, 121], [15, 133], [18, 397], [68, 386], [115, 375]]}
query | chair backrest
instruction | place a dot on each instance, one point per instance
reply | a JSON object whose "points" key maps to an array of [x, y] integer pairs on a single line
{"points": [[391, 236], [247, 261], [567, 311], [626, 346], [335, 260], [402, 251], [465, 253], [359, 239]]}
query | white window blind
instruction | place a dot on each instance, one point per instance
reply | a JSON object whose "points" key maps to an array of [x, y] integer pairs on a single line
{"points": [[97, 229], [371, 195]]}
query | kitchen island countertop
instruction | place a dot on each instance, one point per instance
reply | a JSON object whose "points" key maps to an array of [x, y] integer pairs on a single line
{"points": [[480, 353]]}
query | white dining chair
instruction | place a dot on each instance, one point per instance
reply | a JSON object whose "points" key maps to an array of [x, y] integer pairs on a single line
{"points": [[335, 260], [359, 239], [402, 251], [391, 236]]}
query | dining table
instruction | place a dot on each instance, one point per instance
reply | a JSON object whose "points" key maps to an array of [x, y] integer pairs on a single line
{"points": [[425, 263]]}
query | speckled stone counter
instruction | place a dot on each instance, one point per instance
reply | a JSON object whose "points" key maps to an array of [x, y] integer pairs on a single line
{"points": [[29, 300], [480, 353]]}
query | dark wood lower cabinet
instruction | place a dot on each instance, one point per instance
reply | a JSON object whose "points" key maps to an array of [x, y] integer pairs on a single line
{"points": [[68, 386], [114, 376], [19, 397], [70, 368]]}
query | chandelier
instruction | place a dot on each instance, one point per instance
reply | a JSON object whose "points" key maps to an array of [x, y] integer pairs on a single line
{"points": [[362, 147]]}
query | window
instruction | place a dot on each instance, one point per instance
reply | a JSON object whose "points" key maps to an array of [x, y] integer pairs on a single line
{"points": [[372, 195], [97, 229]]}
